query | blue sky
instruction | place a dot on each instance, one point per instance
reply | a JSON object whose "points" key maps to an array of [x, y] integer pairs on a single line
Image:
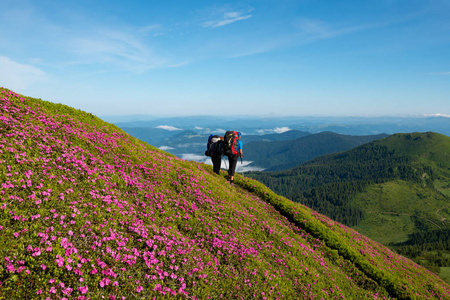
{"points": [[265, 58]]}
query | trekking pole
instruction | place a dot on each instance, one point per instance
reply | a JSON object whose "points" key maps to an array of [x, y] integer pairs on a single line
{"points": [[225, 161], [242, 164], [226, 167]]}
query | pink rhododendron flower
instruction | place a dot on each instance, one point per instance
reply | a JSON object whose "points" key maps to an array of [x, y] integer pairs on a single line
{"points": [[104, 282], [10, 268], [83, 289]]}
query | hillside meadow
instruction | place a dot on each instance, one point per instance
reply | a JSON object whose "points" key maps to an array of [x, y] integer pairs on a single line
{"points": [[89, 212]]}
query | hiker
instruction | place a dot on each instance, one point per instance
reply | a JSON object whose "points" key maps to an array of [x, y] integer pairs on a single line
{"points": [[215, 150], [232, 149]]}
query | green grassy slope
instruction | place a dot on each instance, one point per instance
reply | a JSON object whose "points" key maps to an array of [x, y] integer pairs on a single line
{"points": [[88, 212], [396, 209], [420, 158]]}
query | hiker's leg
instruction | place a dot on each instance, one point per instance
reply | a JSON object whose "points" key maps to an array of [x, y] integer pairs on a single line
{"points": [[216, 160], [229, 166], [233, 162]]}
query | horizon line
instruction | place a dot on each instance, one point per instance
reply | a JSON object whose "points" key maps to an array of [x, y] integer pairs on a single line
{"points": [[436, 115]]}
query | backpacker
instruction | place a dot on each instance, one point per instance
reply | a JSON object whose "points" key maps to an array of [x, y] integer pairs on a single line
{"points": [[214, 146], [230, 143]]}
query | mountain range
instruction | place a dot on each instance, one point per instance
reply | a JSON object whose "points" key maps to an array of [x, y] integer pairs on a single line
{"points": [[286, 154], [186, 137], [90, 212], [391, 190], [269, 152], [266, 125]]}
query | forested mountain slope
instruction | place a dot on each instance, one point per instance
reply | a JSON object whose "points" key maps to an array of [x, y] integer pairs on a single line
{"points": [[419, 158], [284, 155], [392, 190], [88, 212]]}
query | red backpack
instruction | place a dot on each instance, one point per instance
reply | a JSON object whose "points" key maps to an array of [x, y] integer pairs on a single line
{"points": [[230, 143]]}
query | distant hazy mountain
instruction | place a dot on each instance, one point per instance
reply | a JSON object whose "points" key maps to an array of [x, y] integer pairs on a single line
{"points": [[390, 125], [286, 154], [275, 151], [267, 125], [194, 141], [152, 136], [284, 136], [182, 122]]}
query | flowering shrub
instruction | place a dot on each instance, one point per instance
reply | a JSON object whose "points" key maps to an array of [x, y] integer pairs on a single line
{"points": [[88, 212]]}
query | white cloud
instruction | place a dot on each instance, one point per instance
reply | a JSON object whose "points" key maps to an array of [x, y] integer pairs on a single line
{"points": [[281, 129], [168, 127], [195, 157], [219, 130], [275, 130], [154, 30], [177, 65], [190, 145], [246, 167], [241, 167], [165, 148], [114, 47], [226, 19], [78, 39], [438, 115], [17, 76], [198, 128], [313, 27]]}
